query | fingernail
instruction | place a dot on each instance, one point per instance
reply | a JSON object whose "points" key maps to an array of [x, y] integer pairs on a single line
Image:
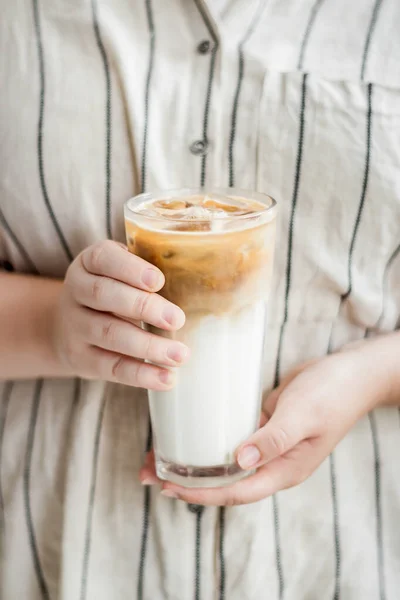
{"points": [[248, 457], [151, 278], [149, 481], [171, 315], [166, 377], [169, 494], [177, 353]]}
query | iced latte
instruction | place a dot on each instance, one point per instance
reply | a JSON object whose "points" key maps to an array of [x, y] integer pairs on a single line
{"points": [[216, 252]]}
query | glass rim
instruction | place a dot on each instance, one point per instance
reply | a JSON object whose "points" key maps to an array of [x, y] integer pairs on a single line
{"points": [[132, 203]]}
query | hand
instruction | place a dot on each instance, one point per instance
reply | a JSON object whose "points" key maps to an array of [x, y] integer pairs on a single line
{"points": [[306, 416], [105, 291]]}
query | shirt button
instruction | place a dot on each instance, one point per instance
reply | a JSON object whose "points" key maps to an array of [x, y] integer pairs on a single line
{"points": [[204, 47], [199, 148]]}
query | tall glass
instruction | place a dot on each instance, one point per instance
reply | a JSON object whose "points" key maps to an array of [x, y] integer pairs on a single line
{"points": [[217, 261]]}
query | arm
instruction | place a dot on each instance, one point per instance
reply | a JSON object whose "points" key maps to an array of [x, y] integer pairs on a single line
{"points": [[27, 312], [380, 357]]}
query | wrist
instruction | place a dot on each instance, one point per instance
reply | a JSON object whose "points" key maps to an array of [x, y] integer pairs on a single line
{"points": [[47, 333], [27, 322]]}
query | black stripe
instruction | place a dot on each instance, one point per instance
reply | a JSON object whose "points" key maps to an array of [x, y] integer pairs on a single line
{"points": [[27, 490], [347, 293], [149, 440], [46, 198], [299, 158], [304, 43], [107, 75], [363, 193], [198, 510], [197, 578], [254, 22], [378, 505], [214, 51], [336, 533], [145, 533], [278, 552], [222, 576], [370, 32], [147, 491], [5, 401], [17, 243], [146, 522], [150, 23], [367, 152], [344, 297], [92, 494], [307, 32]]}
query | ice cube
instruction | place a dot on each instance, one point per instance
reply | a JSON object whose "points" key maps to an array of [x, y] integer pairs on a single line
{"points": [[196, 213]]}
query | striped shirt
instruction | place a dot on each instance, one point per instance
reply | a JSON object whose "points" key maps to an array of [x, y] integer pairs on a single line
{"points": [[299, 99]]}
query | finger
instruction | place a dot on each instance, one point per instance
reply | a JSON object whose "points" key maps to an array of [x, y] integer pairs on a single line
{"points": [[110, 333], [279, 430], [147, 473], [108, 295], [148, 476], [282, 432], [282, 473], [109, 366], [263, 420], [110, 259]]}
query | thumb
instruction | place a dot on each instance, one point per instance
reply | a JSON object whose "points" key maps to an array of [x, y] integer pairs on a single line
{"points": [[278, 436]]}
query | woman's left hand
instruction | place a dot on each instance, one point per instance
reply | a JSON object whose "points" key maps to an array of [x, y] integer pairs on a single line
{"points": [[306, 416]]}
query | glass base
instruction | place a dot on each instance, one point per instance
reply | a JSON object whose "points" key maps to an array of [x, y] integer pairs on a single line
{"points": [[200, 477]]}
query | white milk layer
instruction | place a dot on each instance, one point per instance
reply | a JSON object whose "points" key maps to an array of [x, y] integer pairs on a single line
{"points": [[216, 403]]}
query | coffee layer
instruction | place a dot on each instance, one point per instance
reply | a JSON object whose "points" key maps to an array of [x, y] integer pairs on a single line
{"points": [[208, 273]]}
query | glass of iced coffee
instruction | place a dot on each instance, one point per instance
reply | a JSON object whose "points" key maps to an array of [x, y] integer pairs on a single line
{"points": [[216, 251]]}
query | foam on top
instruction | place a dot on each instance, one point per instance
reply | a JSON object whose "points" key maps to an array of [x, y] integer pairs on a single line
{"points": [[199, 208]]}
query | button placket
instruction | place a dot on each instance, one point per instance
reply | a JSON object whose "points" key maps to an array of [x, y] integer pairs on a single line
{"points": [[201, 128]]}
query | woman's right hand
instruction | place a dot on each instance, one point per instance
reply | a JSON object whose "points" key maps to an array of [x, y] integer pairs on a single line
{"points": [[105, 289]]}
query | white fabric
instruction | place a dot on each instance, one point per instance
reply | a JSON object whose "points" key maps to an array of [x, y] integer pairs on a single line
{"points": [[221, 5], [73, 518]]}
